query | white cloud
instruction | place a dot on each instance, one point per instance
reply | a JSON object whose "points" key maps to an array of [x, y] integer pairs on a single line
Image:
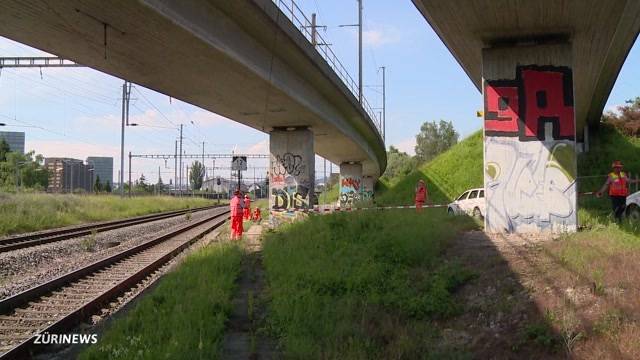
{"points": [[261, 147], [380, 36], [407, 145]]}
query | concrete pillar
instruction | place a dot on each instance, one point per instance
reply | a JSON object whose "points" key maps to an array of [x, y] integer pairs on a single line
{"points": [[368, 184], [350, 184], [529, 145], [292, 169]]}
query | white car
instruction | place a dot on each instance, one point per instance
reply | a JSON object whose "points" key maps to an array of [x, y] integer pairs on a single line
{"points": [[471, 202], [633, 206]]}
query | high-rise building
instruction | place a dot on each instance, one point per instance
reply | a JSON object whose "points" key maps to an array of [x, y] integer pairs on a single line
{"points": [[14, 139], [67, 175], [103, 168]]}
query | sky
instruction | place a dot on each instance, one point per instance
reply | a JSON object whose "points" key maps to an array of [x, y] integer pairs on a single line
{"points": [[76, 112]]}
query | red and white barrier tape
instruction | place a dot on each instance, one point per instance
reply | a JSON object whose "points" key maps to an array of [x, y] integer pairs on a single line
{"points": [[318, 209]]}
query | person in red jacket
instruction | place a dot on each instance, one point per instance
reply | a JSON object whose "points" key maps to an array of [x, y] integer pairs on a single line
{"points": [[422, 195], [247, 207], [618, 183], [236, 204]]}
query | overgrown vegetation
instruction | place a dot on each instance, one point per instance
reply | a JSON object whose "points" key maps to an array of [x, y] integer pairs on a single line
{"points": [[363, 285], [31, 212], [183, 318], [434, 139]]}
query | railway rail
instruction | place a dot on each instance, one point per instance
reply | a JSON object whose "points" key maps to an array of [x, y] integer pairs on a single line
{"points": [[62, 303], [49, 236]]}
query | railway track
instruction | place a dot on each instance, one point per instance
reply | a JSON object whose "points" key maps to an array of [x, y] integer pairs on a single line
{"points": [[62, 303], [49, 236]]}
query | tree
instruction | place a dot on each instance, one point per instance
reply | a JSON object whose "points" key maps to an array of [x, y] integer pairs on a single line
{"points": [[107, 187], [197, 175], [160, 185], [24, 170], [434, 139], [398, 163], [4, 149], [141, 184], [97, 187], [626, 119]]}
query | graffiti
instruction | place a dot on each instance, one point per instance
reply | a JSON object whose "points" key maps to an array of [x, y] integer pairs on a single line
{"points": [[539, 95], [351, 183], [349, 198], [530, 160], [288, 164], [283, 199]]}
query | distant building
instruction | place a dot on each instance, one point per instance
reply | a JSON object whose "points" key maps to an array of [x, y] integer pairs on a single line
{"points": [[68, 175], [14, 139], [103, 168]]}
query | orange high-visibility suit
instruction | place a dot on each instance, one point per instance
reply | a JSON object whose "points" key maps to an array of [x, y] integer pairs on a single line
{"points": [[247, 208], [421, 195], [236, 217], [256, 215]]}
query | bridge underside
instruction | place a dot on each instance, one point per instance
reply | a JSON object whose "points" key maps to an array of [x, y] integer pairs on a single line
{"points": [[241, 59], [545, 69]]}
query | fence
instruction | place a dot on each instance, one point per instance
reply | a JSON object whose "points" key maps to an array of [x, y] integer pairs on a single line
{"points": [[303, 24]]}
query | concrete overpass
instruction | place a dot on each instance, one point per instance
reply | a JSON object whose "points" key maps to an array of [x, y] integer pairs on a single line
{"points": [[243, 59], [545, 68]]}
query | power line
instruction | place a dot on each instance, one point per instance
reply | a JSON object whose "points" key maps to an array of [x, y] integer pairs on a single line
{"points": [[155, 107]]}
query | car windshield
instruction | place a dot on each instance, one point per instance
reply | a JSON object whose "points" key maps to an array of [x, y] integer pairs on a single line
{"points": [[463, 196]]}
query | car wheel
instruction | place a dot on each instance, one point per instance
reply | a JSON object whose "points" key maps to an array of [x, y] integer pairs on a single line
{"points": [[450, 211], [633, 213], [477, 213]]}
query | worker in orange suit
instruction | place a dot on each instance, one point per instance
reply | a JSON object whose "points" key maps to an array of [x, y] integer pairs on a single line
{"points": [[618, 183], [257, 216], [422, 195], [247, 207], [236, 205]]}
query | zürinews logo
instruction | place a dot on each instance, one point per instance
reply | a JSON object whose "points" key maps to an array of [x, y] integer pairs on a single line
{"points": [[46, 339]]}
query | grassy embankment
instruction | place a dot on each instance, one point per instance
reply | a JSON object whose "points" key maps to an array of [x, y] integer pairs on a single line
{"points": [[447, 176], [31, 212], [183, 318], [362, 285]]}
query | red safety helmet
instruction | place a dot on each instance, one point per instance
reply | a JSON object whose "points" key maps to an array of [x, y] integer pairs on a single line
{"points": [[617, 164]]}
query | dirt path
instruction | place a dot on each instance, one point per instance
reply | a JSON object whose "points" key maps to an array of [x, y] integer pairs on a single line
{"points": [[244, 340]]}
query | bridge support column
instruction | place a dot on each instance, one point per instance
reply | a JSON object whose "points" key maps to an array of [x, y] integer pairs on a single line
{"points": [[529, 139], [368, 185], [350, 184], [292, 169]]}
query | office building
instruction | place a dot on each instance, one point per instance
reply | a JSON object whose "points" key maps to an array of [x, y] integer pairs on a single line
{"points": [[68, 175], [102, 168], [14, 139]]}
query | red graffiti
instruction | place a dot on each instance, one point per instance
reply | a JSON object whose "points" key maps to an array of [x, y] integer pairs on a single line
{"points": [[523, 106], [352, 183]]}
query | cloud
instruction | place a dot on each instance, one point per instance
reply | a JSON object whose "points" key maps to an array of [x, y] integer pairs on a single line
{"points": [[407, 145], [261, 147], [380, 36]]}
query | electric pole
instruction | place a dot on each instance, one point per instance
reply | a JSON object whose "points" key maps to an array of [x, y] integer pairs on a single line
{"points": [[205, 168], [129, 173], [175, 169], [181, 159], [360, 50], [124, 89]]}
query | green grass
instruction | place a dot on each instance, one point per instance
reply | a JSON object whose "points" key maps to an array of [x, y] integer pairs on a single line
{"points": [[447, 176], [183, 318], [31, 212], [363, 285]]}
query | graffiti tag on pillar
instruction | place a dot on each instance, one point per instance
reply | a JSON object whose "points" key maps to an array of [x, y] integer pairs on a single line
{"points": [[287, 198], [349, 198], [539, 95], [288, 164], [351, 183]]}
